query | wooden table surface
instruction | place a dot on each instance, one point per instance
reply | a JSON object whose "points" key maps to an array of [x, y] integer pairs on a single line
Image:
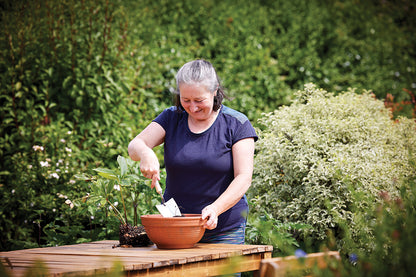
{"points": [[99, 257]]}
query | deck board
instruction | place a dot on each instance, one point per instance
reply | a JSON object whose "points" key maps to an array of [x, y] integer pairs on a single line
{"points": [[99, 257]]}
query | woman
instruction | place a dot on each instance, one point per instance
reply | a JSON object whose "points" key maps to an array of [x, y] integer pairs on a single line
{"points": [[208, 153]]}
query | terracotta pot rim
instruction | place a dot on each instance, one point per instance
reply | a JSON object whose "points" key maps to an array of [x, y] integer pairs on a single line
{"points": [[167, 222], [185, 217]]}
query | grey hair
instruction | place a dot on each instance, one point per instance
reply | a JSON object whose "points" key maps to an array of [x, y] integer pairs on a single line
{"points": [[199, 72]]}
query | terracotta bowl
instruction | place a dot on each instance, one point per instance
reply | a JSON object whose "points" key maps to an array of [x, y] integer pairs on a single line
{"points": [[174, 232]]}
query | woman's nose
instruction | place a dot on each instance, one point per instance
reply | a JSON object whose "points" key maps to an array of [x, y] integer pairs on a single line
{"points": [[193, 107]]}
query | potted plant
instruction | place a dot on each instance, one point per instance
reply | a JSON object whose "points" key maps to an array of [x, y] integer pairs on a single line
{"points": [[125, 187]]}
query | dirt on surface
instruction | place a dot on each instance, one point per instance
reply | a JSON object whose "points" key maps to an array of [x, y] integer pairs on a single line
{"points": [[133, 236]]}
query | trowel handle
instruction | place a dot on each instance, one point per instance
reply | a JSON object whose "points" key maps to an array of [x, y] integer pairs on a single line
{"points": [[158, 187]]}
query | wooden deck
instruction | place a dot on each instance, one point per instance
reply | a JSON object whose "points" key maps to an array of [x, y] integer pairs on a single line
{"points": [[99, 257]]}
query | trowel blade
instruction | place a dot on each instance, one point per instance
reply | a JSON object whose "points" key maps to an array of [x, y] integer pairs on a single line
{"points": [[169, 209]]}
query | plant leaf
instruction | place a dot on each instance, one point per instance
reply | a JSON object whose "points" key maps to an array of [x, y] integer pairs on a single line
{"points": [[106, 173], [123, 165]]}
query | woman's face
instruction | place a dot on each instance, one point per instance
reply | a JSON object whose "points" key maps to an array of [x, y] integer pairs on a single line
{"points": [[197, 101]]}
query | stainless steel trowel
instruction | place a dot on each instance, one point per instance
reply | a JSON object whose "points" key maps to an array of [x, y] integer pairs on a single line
{"points": [[168, 208]]}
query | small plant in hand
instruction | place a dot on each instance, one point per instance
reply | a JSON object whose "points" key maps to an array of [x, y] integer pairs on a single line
{"points": [[128, 187]]}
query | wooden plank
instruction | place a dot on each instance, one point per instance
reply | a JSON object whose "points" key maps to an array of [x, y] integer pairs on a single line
{"points": [[249, 262], [276, 267], [90, 258]]}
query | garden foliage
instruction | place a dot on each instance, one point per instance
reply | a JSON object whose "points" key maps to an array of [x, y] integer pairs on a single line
{"points": [[79, 79], [314, 156], [382, 242]]}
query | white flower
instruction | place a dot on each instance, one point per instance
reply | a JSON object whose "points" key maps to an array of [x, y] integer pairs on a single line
{"points": [[37, 148], [13, 191], [30, 166], [44, 164], [69, 132], [72, 182], [54, 175], [53, 210], [92, 217], [117, 187], [69, 202], [115, 204], [68, 149], [62, 140]]}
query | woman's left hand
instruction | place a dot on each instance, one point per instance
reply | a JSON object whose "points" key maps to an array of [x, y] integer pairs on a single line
{"points": [[211, 214]]}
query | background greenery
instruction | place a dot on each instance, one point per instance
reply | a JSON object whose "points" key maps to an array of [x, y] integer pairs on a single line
{"points": [[79, 79]]}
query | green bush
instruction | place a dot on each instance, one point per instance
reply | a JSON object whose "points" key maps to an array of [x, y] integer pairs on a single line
{"points": [[393, 249], [386, 231], [313, 155], [61, 105]]}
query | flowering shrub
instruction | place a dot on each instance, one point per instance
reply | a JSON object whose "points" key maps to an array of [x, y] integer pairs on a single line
{"points": [[35, 199], [314, 155]]}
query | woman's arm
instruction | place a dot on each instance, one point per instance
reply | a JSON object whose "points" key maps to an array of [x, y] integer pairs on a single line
{"points": [[243, 155], [140, 149]]}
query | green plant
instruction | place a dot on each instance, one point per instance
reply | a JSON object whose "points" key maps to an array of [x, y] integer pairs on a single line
{"points": [[314, 154], [393, 250], [381, 242], [262, 228], [123, 192]]}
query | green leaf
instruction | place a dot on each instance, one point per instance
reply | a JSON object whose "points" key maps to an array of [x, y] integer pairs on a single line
{"points": [[106, 173], [134, 177], [91, 210], [83, 176], [123, 165]]}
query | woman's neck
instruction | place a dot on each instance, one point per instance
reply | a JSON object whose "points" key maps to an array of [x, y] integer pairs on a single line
{"points": [[200, 126]]}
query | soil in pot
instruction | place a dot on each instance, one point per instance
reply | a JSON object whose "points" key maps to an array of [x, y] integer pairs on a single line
{"points": [[133, 236]]}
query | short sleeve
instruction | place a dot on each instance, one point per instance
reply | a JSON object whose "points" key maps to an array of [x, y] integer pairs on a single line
{"points": [[165, 117], [246, 130]]}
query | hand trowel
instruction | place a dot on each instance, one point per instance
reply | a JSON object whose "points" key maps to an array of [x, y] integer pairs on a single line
{"points": [[168, 208]]}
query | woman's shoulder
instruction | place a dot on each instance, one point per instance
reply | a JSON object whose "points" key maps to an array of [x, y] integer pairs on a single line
{"points": [[234, 114], [173, 110], [169, 115]]}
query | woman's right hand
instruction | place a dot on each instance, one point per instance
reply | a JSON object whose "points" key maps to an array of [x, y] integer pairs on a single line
{"points": [[140, 149], [149, 166]]}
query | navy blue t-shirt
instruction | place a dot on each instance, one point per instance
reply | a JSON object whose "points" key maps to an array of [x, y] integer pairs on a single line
{"points": [[199, 167]]}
